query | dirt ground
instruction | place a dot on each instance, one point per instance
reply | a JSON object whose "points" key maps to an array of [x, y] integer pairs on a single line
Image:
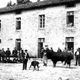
{"points": [[13, 71]]}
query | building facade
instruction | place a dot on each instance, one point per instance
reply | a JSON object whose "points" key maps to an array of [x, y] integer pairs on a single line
{"points": [[32, 26]]}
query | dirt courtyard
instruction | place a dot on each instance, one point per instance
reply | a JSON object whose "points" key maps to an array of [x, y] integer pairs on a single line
{"points": [[13, 71]]}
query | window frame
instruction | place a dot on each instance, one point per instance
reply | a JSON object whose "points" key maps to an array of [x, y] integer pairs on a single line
{"points": [[42, 21], [0, 41], [0, 25], [18, 23], [70, 15]]}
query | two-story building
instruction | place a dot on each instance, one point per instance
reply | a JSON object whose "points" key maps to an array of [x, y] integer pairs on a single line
{"points": [[31, 26]]}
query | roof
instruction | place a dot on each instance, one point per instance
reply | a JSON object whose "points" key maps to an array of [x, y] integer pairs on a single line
{"points": [[35, 5]]}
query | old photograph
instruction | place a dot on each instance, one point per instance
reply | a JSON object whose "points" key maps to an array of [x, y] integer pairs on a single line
{"points": [[39, 39]]}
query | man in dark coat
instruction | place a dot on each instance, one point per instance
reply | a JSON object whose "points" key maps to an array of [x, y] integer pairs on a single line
{"points": [[14, 53], [21, 55], [8, 53], [25, 60], [42, 52], [3, 55], [77, 57]]}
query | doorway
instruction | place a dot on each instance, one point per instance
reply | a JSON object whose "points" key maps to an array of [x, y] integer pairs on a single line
{"points": [[70, 43], [40, 46]]}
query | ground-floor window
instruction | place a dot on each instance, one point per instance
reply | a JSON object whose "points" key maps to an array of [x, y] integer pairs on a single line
{"points": [[0, 40], [18, 44]]}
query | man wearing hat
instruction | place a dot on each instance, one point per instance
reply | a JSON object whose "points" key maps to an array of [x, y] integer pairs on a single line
{"points": [[25, 60]]}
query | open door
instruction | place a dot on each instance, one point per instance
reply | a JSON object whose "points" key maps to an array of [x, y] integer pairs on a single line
{"points": [[40, 46], [70, 43]]}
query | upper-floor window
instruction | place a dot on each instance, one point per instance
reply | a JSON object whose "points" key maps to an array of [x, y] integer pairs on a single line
{"points": [[70, 18], [69, 5], [0, 24], [41, 21], [0, 40], [18, 23]]}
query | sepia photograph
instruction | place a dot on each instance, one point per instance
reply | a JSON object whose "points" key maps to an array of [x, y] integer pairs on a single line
{"points": [[39, 39]]}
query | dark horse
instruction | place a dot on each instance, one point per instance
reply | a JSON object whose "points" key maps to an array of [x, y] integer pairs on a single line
{"points": [[59, 56]]}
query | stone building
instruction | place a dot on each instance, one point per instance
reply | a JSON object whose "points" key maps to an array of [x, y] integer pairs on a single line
{"points": [[31, 26]]}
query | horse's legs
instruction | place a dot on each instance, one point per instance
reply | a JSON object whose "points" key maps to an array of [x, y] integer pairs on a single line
{"points": [[34, 68], [54, 63], [69, 63], [38, 67]]}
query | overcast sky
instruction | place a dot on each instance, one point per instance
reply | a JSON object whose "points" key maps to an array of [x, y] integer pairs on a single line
{"points": [[3, 3]]}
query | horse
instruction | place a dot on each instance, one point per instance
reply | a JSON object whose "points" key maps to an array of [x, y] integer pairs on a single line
{"points": [[59, 56]]}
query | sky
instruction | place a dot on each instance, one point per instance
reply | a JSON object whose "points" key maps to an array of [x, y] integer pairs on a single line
{"points": [[3, 3]]}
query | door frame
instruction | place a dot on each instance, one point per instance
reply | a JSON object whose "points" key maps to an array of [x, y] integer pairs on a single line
{"points": [[40, 41], [68, 40]]}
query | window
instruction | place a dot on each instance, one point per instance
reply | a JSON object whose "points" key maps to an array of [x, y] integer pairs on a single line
{"points": [[0, 24], [41, 21], [18, 23], [70, 18], [0, 40], [70, 5], [69, 39], [18, 44], [41, 39]]}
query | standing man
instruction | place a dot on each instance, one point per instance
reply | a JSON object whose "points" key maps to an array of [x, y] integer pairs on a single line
{"points": [[42, 52], [45, 59], [8, 53], [25, 60], [3, 55], [77, 57], [14, 53], [21, 54], [46, 52]]}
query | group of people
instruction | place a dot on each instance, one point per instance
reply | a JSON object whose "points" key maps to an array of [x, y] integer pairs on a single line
{"points": [[16, 55], [5, 55], [22, 55]]}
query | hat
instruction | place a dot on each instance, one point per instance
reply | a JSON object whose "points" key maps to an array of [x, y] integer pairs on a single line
{"points": [[26, 50]]}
